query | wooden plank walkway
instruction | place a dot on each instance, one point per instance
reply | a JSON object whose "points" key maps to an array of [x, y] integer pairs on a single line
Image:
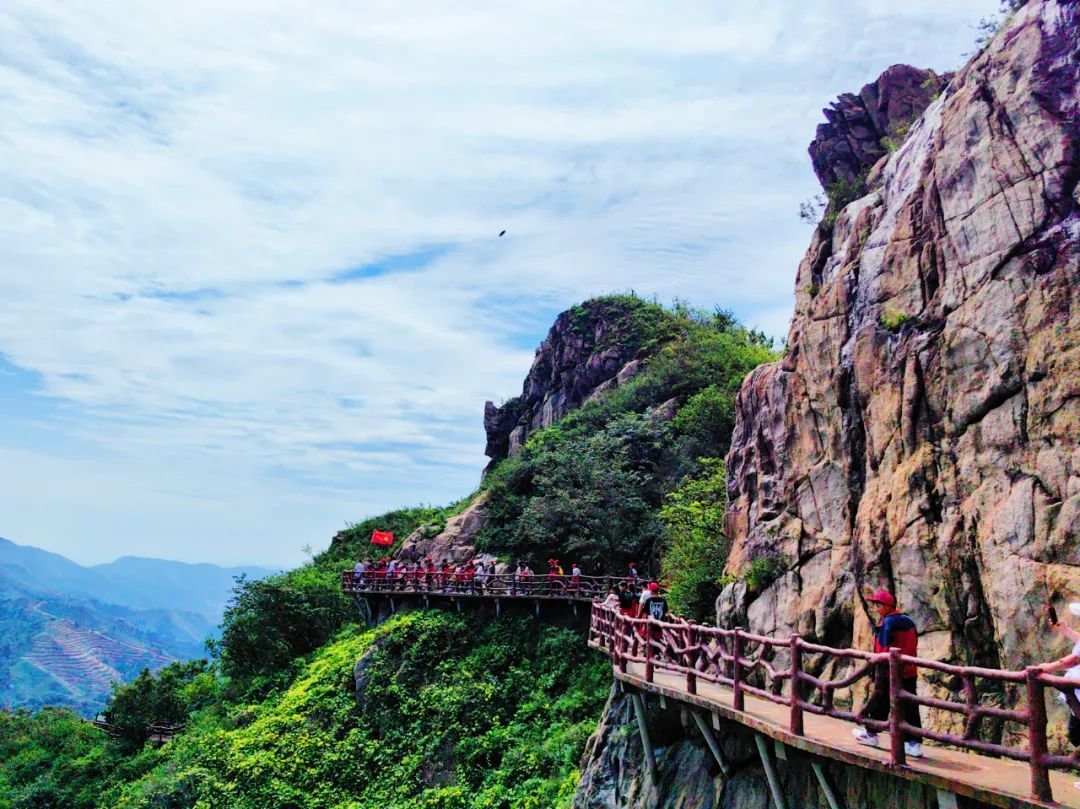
{"points": [[994, 781], [1000, 782]]}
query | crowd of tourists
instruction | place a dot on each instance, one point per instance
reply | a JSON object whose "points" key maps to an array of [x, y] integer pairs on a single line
{"points": [[473, 575], [638, 597]]}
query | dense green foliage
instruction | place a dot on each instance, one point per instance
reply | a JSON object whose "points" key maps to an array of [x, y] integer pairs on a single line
{"points": [[168, 697], [693, 560], [590, 488], [456, 712]]}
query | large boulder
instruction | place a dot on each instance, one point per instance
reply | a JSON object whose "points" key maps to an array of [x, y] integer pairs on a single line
{"points": [[860, 128], [456, 541]]}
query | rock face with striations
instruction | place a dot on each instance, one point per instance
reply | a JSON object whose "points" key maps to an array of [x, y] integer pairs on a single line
{"points": [[854, 136], [590, 349], [921, 432]]}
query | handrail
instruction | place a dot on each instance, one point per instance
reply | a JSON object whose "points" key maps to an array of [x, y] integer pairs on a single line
{"points": [[712, 654], [509, 585]]}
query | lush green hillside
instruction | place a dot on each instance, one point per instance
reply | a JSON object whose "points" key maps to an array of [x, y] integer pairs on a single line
{"points": [[455, 711], [633, 474]]}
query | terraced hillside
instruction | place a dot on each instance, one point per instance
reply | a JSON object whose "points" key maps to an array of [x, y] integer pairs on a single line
{"points": [[67, 632], [82, 660]]}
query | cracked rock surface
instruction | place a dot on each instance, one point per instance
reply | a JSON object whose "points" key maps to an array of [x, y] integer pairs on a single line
{"points": [[921, 431]]}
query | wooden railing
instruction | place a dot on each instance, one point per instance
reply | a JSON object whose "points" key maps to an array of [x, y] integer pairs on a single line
{"points": [[508, 585], [744, 662]]}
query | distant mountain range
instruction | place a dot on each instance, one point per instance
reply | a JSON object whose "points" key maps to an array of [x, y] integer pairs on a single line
{"points": [[68, 631]]}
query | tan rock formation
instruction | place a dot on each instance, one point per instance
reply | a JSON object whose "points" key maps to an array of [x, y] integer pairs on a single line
{"points": [[456, 542], [921, 432], [590, 349]]}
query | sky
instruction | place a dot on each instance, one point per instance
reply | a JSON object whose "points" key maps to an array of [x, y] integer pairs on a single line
{"points": [[251, 280]]}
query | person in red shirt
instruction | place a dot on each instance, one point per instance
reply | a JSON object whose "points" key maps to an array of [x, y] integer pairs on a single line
{"points": [[469, 573], [447, 575], [895, 630], [428, 573]]}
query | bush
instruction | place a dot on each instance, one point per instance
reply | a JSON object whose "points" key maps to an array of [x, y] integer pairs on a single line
{"points": [[696, 548], [762, 571], [168, 697], [892, 319], [270, 622]]}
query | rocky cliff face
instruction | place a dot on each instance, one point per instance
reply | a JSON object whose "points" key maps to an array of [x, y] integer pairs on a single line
{"points": [[859, 128], [921, 432], [614, 777], [590, 348]]}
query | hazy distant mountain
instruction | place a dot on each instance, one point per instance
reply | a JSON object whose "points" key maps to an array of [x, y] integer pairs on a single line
{"points": [[67, 631]]}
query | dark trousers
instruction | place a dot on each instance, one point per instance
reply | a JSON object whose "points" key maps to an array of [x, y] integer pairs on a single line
{"points": [[878, 705], [1074, 730]]}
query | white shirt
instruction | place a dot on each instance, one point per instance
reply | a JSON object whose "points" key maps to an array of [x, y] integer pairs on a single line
{"points": [[1073, 673], [359, 567]]}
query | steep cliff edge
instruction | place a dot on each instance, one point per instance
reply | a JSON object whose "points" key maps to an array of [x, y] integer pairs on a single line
{"points": [[921, 431], [590, 348]]}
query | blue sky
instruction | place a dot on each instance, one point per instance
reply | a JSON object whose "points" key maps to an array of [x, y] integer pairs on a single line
{"points": [[252, 283]]}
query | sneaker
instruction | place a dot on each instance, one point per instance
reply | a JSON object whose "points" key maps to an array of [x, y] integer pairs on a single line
{"points": [[913, 749], [1077, 785], [863, 736]]}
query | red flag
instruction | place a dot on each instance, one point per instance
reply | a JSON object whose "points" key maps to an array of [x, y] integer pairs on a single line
{"points": [[382, 537]]}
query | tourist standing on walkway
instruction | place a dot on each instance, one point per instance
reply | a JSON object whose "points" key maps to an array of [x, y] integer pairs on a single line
{"points": [[1070, 664], [894, 631], [627, 602], [575, 578], [554, 576], [429, 573], [358, 573], [481, 577], [612, 599]]}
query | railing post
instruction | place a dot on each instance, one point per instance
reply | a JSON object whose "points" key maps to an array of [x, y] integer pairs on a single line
{"points": [[1037, 747], [796, 671], [896, 711], [621, 641], [690, 662], [648, 650], [736, 670]]}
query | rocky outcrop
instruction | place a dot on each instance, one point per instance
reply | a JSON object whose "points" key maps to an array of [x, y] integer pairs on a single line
{"points": [[921, 431], [590, 349], [613, 772], [860, 128], [456, 541]]}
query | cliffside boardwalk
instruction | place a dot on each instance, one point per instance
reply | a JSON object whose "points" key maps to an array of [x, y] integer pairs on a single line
{"points": [[765, 684]]}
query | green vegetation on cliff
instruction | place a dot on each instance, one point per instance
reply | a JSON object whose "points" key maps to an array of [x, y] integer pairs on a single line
{"points": [[453, 711], [617, 479]]}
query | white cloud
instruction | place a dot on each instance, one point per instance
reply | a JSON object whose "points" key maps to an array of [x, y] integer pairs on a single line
{"points": [[180, 184]]}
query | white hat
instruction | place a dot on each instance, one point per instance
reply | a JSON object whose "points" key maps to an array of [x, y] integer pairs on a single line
{"points": [[1074, 608]]}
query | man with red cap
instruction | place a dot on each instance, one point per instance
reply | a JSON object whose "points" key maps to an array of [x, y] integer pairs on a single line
{"points": [[894, 631]]}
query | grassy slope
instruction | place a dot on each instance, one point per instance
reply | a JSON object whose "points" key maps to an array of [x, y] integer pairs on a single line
{"points": [[457, 712]]}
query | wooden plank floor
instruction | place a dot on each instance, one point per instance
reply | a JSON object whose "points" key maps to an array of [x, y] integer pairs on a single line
{"points": [[998, 782]]}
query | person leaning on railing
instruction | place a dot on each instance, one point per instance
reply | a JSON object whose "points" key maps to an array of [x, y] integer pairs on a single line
{"points": [[895, 631], [1070, 663]]}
